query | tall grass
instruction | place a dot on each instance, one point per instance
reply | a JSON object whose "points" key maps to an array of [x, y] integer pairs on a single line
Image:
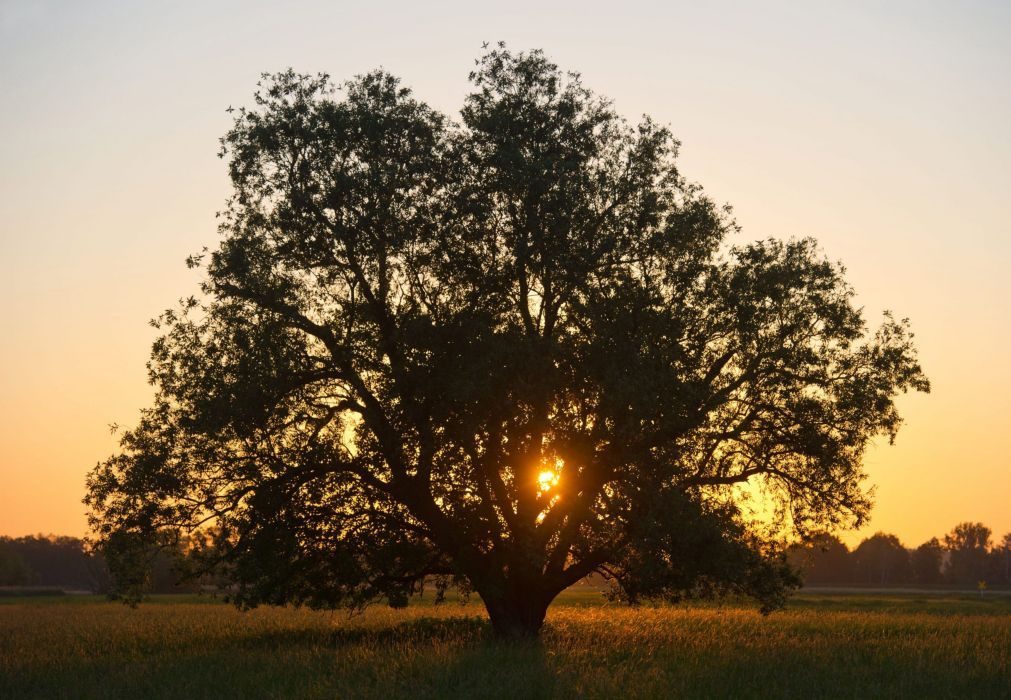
{"points": [[821, 646]]}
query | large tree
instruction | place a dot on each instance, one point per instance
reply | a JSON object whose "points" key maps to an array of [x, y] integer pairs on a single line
{"points": [[506, 351]]}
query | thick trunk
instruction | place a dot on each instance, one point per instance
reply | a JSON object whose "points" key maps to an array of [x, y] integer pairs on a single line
{"points": [[518, 615]]}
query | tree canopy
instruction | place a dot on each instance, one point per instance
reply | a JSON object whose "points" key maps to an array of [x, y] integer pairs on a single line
{"points": [[505, 351], [880, 560], [927, 562], [969, 545]]}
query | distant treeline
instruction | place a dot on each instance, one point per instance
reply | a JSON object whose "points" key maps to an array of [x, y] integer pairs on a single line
{"points": [[65, 563], [966, 556]]}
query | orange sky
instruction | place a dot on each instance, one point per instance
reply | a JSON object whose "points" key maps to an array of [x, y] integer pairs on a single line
{"points": [[882, 132]]}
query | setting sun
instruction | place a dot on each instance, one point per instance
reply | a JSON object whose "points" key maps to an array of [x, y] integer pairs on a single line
{"points": [[547, 479]]}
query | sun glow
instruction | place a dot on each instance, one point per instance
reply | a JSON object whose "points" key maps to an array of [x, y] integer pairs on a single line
{"points": [[547, 479]]}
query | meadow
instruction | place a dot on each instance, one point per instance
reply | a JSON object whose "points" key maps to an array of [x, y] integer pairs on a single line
{"points": [[838, 645]]}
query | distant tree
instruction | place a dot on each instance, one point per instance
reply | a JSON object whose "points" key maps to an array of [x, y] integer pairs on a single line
{"points": [[508, 352], [1001, 561], [968, 546], [881, 560], [13, 569], [927, 560], [823, 560]]}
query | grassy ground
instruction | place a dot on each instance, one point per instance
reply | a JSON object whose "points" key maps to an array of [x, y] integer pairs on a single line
{"points": [[848, 646]]}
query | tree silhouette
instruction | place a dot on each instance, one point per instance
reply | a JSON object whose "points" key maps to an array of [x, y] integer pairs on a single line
{"points": [[507, 352], [880, 560], [823, 560], [1002, 560], [927, 560], [14, 571], [968, 545]]}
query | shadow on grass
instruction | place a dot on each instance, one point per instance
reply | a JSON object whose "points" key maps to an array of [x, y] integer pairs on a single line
{"points": [[493, 668], [426, 658], [423, 630]]}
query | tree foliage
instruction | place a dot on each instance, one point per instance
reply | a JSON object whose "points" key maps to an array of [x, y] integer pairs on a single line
{"points": [[51, 561], [927, 561], [1002, 560], [881, 560], [507, 351], [13, 569], [823, 559], [968, 546]]}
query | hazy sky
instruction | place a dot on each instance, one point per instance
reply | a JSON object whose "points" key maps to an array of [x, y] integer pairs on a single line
{"points": [[880, 128]]}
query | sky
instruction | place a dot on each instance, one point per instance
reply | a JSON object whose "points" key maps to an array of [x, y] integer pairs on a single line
{"points": [[881, 129]]}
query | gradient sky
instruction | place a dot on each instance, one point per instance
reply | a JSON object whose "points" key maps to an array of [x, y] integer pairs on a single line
{"points": [[879, 128]]}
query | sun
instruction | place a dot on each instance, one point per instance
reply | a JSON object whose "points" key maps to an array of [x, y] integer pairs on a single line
{"points": [[546, 479]]}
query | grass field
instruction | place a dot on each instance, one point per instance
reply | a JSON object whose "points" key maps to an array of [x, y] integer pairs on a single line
{"points": [[847, 646]]}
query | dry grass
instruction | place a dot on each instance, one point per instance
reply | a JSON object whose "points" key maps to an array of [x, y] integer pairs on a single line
{"points": [[829, 646]]}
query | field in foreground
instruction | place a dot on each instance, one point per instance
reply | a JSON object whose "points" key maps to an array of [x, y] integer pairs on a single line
{"points": [[851, 646]]}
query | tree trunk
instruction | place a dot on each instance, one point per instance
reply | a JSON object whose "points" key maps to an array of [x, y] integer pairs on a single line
{"points": [[518, 615]]}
